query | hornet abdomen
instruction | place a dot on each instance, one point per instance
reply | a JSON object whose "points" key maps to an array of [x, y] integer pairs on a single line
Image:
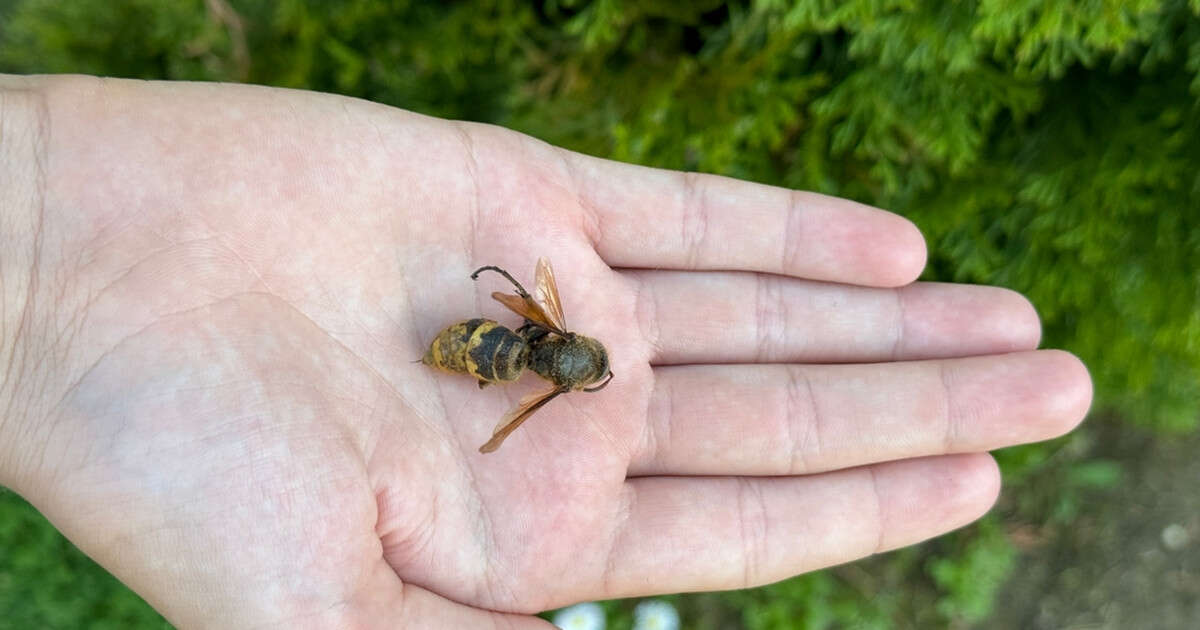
{"points": [[479, 347]]}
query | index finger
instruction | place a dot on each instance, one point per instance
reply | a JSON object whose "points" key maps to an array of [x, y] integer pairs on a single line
{"points": [[653, 218]]}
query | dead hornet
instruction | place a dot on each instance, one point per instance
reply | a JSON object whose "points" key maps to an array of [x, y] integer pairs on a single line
{"points": [[494, 354]]}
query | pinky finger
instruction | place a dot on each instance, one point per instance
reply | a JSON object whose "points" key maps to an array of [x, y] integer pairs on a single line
{"points": [[386, 602], [718, 533]]}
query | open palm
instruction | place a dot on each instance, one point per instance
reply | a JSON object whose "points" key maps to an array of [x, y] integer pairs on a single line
{"points": [[235, 286]]}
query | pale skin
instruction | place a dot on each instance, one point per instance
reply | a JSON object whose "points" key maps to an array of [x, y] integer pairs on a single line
{"points": [[213, 297]]}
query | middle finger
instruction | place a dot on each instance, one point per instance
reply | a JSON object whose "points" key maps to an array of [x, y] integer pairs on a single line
{"points": [[735, 317]]}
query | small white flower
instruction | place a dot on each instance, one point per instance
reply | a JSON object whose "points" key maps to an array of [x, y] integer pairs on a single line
{"points": [[586, 616], [655, 614], [1175, 536]]}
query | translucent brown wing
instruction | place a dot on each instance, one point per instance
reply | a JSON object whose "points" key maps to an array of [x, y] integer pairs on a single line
{"points": [[545, 293], [527, 308], [519, 414]]}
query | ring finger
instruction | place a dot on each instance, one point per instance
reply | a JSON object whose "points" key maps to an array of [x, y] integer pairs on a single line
{"points": [[799, 419]]}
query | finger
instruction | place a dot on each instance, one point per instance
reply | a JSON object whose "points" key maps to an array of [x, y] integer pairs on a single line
{"points": [[383, 601], [740, 317], [424, 609], [781, 419], [651, 218], [738, 532]]}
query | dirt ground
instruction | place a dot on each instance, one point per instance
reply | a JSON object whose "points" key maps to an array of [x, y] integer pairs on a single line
{"points": [[1131, 559]]}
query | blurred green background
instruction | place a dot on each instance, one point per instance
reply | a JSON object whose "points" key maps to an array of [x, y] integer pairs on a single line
{"points": [[1050, 147]]}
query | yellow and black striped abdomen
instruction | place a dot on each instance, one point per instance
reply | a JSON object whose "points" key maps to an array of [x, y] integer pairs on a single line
{"points": [[479, 347]]}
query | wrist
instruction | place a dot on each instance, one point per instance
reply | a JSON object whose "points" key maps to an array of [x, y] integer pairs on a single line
{"points": [[22, 161]]}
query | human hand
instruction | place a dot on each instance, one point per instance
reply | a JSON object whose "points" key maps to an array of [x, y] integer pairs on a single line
{"points": [[215, 296]]}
